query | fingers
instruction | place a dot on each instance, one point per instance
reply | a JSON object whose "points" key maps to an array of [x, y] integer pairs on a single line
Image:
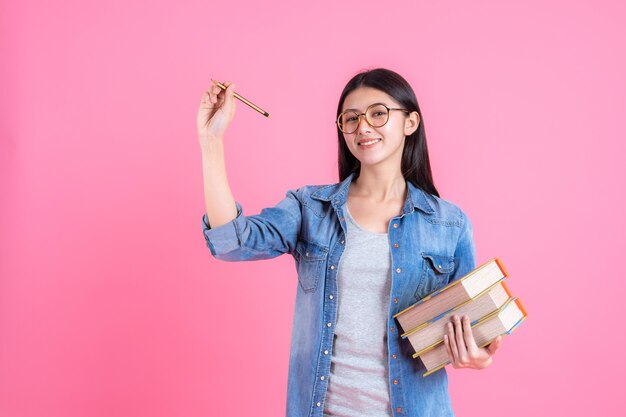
{"points": [[452, 342], [230, 86], [462, 348], [229, 94], [495, 345], [446, 342], [208, 98], [460, 341], [215, 94], [468, 335]]}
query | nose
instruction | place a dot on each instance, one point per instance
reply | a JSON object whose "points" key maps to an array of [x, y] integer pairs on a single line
{"points": [[363, 126]]}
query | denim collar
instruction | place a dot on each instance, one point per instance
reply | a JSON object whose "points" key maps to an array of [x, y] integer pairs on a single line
{"points": [[337, 193]]}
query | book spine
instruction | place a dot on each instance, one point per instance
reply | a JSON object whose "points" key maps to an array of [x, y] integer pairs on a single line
{"points": [[521, 307], [508, 292], [501, 266]]}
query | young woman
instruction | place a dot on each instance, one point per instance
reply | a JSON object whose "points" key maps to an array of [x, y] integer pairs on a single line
{"points": [[365, 248]]}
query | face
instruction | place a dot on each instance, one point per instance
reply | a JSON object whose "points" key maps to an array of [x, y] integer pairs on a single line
{"points": [[389, 138]]}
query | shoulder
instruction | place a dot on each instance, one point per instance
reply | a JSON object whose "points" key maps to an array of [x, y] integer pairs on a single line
{"points": [[315, 197], [321, 192], [445, 212]]}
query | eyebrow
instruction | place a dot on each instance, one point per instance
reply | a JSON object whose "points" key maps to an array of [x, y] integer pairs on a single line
{"points": [[357, 110]]}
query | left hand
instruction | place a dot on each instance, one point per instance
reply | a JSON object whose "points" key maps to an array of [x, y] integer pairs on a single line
{"points": [[461, 346]]}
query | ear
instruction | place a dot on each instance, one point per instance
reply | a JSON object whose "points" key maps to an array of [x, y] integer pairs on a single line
{"points": [[411, 123]]}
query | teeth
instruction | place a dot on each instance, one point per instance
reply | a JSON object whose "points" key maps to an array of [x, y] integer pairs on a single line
{"points": [[369, 142]]}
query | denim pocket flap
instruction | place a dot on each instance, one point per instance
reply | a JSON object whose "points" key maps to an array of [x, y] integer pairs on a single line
{"points": [[310, 263], [436, 271], [439, 263]]}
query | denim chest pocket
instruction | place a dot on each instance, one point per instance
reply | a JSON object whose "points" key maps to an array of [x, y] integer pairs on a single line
{"points": [[436, 270], [310, 258]]}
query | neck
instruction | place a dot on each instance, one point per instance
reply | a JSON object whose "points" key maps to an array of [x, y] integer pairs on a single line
{"points": [[379, 185]]}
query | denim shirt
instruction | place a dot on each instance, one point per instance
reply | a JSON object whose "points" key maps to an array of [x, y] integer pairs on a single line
{"points": [[431, 245]]}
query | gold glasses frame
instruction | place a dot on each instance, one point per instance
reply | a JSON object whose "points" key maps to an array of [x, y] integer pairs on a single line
{"points": [[338, 122]]}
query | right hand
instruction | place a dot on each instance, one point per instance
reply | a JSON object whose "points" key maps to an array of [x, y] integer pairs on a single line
{"points": [[217, 109]]}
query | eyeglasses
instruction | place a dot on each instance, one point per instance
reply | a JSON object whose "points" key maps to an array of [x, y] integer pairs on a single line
{"points": [[376, 115]]}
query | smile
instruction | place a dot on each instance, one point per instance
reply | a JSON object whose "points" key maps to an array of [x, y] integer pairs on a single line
{"points": [[370, 142]]}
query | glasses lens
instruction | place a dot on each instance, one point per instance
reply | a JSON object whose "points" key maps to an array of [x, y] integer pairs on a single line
{"points": [[348, 121], [377, 115]]}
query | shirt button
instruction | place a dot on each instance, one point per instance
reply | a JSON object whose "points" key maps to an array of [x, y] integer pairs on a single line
{"points": [[342, 242], [331, 296], [329, 324], [392, 328], [398, 410], [325, 352], [395, 225], [395, 245], [342, 219], [395, 300], [319, 404], [322, 377], [332, 267], [306, 254], [398, 270], [395, 382], [439, 266], [394, 356]]}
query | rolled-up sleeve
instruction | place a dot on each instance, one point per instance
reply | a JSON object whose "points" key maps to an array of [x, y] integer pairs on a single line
{"points": [[465, 252], [268, 234]]}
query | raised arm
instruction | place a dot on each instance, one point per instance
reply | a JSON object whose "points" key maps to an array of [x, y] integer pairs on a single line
{"points": [[216, 111], [229, 234]]}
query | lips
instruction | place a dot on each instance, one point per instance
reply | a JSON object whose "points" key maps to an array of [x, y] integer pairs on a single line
{"points": [[362, 141]]}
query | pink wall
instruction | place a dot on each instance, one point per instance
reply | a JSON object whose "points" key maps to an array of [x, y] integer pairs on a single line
{"points": [[110, 302]]}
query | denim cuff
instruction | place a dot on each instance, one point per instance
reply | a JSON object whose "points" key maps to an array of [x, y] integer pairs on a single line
{"points": [[226, 237]]}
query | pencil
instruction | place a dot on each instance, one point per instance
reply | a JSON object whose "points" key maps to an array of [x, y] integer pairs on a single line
{"points": [[249, 103]]}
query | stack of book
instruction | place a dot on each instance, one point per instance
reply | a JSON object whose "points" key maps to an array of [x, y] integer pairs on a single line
{"points": [[481, 294]]}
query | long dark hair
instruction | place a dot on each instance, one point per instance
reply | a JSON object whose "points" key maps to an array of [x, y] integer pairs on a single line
{"points": [[415, 162]]}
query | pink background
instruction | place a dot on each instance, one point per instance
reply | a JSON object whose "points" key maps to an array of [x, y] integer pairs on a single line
{"points": [[112, 305]]}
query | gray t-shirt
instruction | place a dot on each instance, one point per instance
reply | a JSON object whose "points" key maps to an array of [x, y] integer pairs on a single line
{"points": [[358, 381]]}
